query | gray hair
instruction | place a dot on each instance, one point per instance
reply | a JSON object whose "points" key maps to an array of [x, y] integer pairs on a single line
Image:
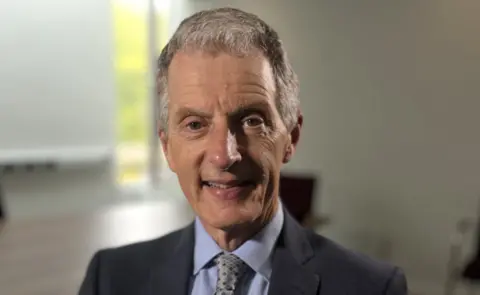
{"points": [[236, 32]]}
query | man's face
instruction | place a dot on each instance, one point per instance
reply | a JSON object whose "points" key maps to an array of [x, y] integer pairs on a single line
{"points": [[225, 141]]}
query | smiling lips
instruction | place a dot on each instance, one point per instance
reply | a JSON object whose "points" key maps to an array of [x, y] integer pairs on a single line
{"points": [[227, 190]]}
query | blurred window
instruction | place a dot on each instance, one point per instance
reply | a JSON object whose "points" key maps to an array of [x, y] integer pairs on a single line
{"points": [[133, 52]]}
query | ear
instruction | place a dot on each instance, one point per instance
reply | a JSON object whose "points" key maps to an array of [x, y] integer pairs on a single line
{"points": [[294, 138], [166, 150]]}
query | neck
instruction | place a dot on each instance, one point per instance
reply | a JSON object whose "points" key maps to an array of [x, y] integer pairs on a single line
{"points": [[233, 237]]}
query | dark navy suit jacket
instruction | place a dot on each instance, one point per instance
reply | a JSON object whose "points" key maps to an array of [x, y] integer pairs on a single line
{"points": [[303, 263]]}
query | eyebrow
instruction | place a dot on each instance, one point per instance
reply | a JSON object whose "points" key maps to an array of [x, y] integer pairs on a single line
{"points": [[251, 107], [183, 112]]}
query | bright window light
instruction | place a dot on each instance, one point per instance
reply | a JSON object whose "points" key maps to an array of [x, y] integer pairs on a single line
{"points": [[132, 82]]}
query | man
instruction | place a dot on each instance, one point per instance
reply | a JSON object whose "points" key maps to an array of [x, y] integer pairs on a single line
{"points": [[229, 119]]}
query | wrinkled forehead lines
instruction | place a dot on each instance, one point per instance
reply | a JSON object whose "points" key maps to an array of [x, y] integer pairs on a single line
{"points": [[222, 71], [223, 83]]}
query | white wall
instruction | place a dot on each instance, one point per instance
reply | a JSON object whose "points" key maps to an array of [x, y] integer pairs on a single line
{"points": [[57, 74], [56, 91], [390, 93]]}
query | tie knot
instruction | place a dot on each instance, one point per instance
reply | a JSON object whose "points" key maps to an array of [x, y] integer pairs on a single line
{"points": [[229, 261], [230, 269]]}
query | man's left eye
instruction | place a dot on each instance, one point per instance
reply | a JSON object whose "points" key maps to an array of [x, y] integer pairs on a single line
{"points": [[252, 121]]}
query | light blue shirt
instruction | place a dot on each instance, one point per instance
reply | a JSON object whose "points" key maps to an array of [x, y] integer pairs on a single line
{"points": [[256, 253]]}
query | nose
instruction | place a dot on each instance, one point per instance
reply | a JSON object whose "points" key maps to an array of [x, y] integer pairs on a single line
{"points": [[223, 149]]}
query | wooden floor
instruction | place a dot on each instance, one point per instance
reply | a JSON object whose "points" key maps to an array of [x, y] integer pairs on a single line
{"points": [[50, 256]]}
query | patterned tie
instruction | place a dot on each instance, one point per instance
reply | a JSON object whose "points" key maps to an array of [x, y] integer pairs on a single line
{"points": [[230, 270]]}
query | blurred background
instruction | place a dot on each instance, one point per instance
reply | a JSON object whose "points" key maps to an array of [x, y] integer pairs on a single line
{"points": [[390, 92]]}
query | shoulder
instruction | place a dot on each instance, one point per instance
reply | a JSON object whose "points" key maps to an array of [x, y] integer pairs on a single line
{"points": [[336, 264], [141, 253], [138, 258], [128, 266], [333, 255]]}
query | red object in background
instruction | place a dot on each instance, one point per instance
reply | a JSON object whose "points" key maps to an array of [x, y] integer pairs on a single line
{"points": [[296, 193]]}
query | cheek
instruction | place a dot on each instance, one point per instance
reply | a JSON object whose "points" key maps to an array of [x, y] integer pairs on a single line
{"points": [[272, 148], [182, 151], [185, 158], [267, 151]]}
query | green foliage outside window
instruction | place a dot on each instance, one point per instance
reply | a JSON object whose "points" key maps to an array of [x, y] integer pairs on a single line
{"points": [[131, 81]]}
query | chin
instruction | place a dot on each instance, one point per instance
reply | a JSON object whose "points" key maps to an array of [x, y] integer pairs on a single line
{"points": [[226, 217], [224, 213]]}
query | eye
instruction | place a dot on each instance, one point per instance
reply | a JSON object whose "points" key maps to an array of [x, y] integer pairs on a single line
{"points": [[252, 121], [194, 125]]}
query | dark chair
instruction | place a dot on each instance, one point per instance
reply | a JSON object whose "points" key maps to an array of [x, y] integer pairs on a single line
{"points": [[471, 271], [296, 193], [2, 208], [463, 270]]}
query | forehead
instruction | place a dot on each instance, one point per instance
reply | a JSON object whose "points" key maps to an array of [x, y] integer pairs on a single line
{"points": [[200, 77]]}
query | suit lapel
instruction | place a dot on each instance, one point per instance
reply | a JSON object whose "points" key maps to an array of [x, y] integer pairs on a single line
{"points": [[291, 273], [172, 277]]}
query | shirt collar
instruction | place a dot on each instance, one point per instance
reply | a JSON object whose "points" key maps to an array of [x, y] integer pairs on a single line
{"points": [[255, 252]]}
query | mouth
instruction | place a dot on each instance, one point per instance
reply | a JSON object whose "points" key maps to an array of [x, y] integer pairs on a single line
{"points": [[227, 184], [228, 190]]}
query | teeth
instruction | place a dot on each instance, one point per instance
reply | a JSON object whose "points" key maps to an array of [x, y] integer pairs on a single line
{"points": [[224, 186], [212, 184]]}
